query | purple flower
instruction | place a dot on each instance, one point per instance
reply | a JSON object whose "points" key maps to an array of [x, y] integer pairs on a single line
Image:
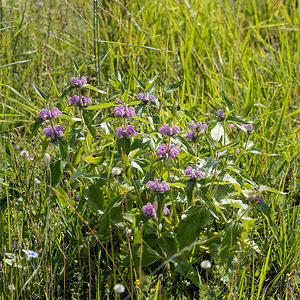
{"points": [[148, 209], [125, 132], [196, 130], [79, 101], [49, 132], [118, 101], [260, 199], [220, 114], [166, 152], [193, 173], [30, 253], [257, 199], [145, 97], [231, 126], [166, 211], [78, 82], [190, 136], [155, 186], [166, 130], [151, 210], [239, 117], [237, 150], [49, 114], [123, 111], [250, 127]]}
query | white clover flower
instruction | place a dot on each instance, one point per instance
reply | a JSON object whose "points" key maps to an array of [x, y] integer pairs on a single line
{"points": [[119, 288], [205, 264], [11, 287], [116, 171]]}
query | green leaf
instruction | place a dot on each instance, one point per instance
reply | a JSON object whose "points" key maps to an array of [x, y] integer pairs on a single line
{"points": [[218, 134], [124, 144], [190, 184], [56, 172], [39, 92], [88, 119], [65, 93], [140, 84], [102, 105], [265, 209], [37, 124], [247, 109], [90, 87], [94, 197], [190, 227], [94, 159], [174, 86], [227, 101]]}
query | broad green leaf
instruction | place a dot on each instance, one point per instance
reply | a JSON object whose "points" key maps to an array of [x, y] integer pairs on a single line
{"points": [[190, 227], [94, 197], [90, 87], [174, 86]]}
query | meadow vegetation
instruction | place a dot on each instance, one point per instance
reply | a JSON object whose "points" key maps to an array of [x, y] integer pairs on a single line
{"points": [[149, 149]]}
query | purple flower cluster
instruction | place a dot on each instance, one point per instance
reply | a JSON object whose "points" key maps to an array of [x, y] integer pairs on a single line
{"points": [[76, 100], [166, 152], [221, 114], [257, 199], [196, 130], [166, 130], [145, 97], [52, 133], [155, 186], [193, 173], [249, 127], [49, 114], [78, 81], [123, 111], [151, 210], [125, 132]]}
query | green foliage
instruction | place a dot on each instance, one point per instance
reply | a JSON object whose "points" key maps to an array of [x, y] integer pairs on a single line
{"points": [[83, 216]]}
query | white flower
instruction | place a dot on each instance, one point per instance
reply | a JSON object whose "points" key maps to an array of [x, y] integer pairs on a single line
{"points": [[205, 264], [24, 153], [119, 288], [37, 181], [116, 171], [11, 287], [47, 158]]}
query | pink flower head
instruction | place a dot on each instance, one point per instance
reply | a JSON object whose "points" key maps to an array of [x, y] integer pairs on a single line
{"points": [[257, 199], [231, 126], [126, 132], [196, 130], [221, 114], [151, 210], [145, 97], [156, 186], [166, 130], [166, 152], [123, 111], [49, 114], [193, 173], [75, 81], [49, 132], [76, 100]]}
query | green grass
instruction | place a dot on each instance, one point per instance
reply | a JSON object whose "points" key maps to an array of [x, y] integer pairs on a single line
{"points": [[242, 52]]}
